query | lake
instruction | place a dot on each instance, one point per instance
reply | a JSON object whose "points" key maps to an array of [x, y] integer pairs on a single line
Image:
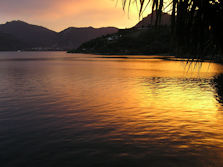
{"points": [[63, 110]]}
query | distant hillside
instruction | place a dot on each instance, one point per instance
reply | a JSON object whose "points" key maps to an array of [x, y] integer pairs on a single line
{"points": [[9, 42], [143, 38], [30, 35], [130, 41], [150, 20], [18, 35], [73, 37]]}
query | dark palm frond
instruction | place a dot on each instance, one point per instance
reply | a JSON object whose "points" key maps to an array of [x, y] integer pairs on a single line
{"points": [[196, 24], [218, 86]]}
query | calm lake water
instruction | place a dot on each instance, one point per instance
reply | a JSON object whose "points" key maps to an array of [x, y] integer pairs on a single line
{"points": [[73, 110]]}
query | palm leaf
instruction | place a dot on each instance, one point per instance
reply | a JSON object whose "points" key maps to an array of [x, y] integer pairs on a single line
{"points": [[196, 24]]}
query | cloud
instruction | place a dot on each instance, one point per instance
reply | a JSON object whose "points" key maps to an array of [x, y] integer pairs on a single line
{"points": [[57, 14]]}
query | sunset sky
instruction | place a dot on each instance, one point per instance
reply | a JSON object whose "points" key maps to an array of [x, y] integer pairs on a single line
{"points": [[60, 14]]}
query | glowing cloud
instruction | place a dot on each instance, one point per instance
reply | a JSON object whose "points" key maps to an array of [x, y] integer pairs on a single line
{"points": [[60, 14]]}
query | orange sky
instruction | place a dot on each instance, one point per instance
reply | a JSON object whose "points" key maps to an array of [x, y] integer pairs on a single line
{"points": [[60, 14]]}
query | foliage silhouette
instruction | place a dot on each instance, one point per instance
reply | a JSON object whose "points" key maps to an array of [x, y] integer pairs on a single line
{"points": [[196, 25], [217, 82]]}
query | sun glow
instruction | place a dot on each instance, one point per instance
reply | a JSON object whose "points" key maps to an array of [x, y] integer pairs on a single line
{"points": [[58, 14]]}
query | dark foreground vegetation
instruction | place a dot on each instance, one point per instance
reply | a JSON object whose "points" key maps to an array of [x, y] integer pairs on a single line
{"points": [[217, 82], [196, 25]]}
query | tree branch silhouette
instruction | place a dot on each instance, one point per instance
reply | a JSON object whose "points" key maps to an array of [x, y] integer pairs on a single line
{"points": [[197, 28]]}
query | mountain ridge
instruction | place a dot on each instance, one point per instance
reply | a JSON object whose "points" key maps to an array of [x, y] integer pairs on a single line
{"points": [[150, 20], [34, 37], [144, 38], [20, 35]]}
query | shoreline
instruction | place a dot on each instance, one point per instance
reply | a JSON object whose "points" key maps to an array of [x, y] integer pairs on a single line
{"points": [[163, 56]]}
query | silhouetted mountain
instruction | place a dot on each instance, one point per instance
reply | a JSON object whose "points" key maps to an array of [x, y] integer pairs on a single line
{"points": [[30, 35], [151, 20], [9, 42], [72, 37], [130, 41], [19, 35], [143, 38]]}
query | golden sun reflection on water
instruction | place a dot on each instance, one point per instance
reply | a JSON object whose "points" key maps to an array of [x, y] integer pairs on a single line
{"points": [[140, 97]]}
